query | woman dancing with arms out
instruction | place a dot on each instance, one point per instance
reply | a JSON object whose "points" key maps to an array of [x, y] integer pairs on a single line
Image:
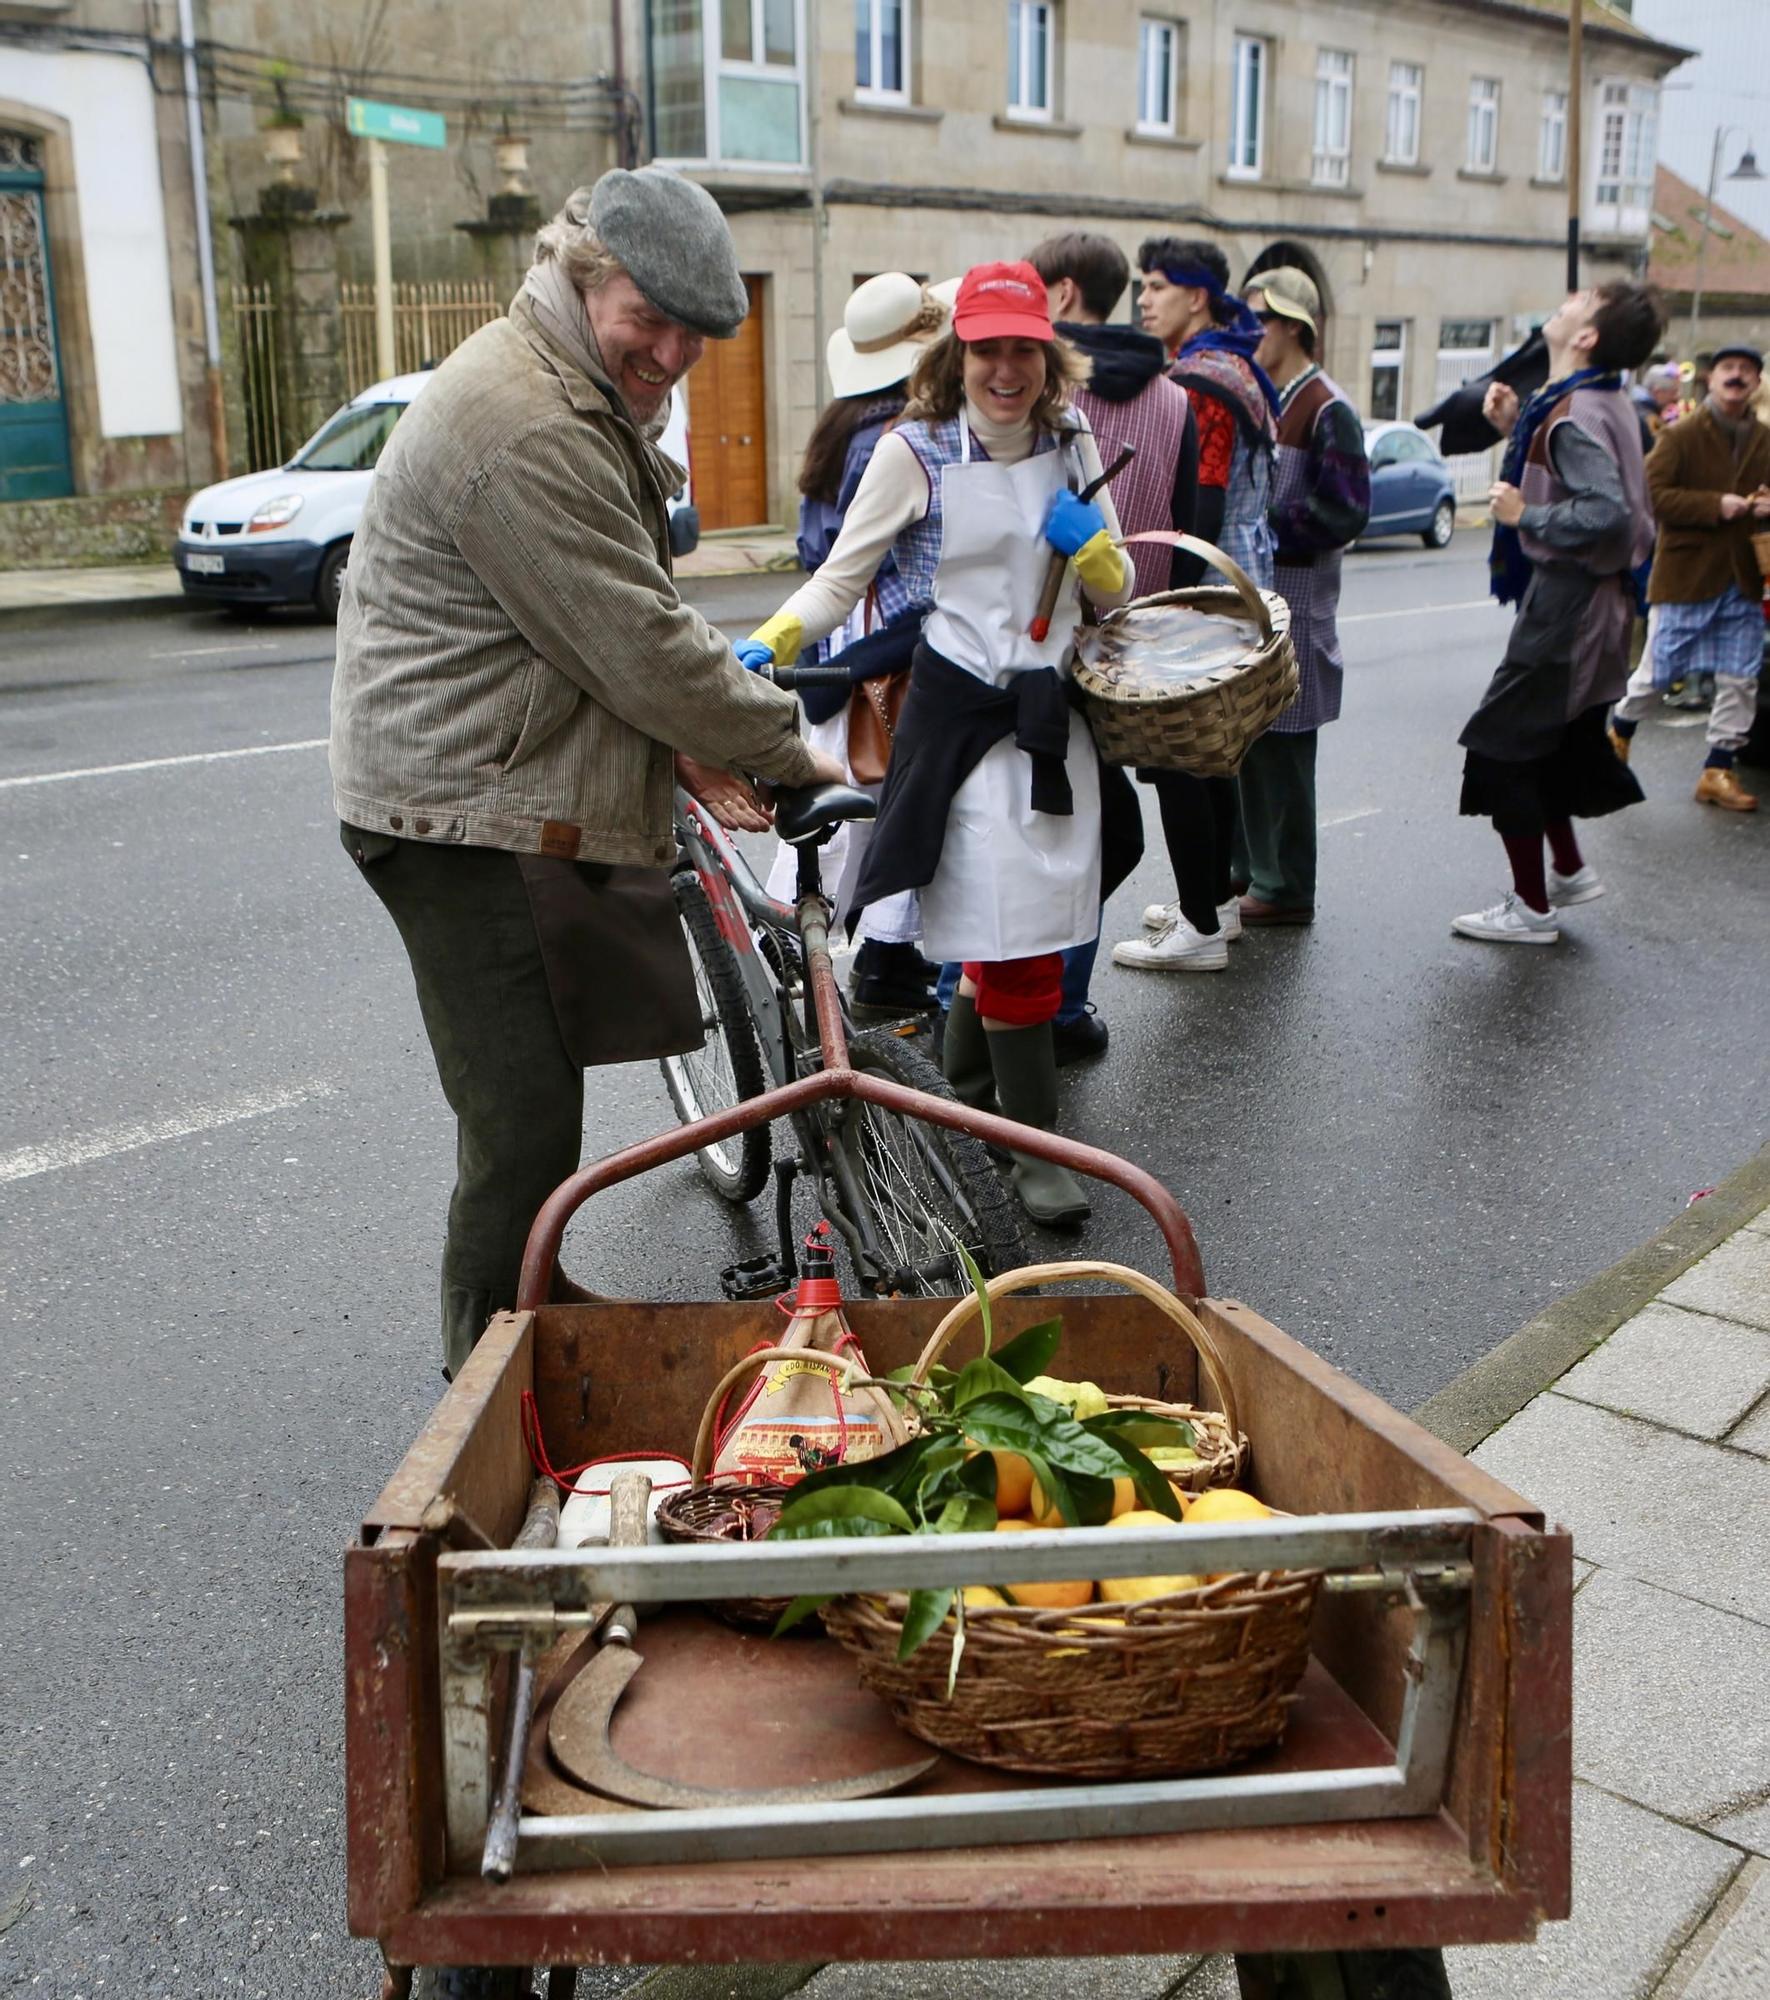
{"points": [[991, 806]]}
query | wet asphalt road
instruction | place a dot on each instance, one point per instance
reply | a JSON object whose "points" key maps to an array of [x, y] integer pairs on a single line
{"points": [[224, 1160]]}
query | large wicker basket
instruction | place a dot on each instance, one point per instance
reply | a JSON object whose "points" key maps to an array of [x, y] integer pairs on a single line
{"points": [[1186, 1682], [1205, 721]]}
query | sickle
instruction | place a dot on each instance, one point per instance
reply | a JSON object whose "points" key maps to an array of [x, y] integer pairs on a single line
{"points": [[1041, 624], [578, 1731]]}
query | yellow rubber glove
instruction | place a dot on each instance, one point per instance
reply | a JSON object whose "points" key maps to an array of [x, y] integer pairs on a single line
{"points": [[783, 635], [1100, 563]]}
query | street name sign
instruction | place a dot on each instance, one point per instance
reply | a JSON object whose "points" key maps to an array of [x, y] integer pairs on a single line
{"points": [[405, 127]]}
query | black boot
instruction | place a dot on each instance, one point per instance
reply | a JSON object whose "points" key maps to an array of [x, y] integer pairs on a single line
{"points": [[891, 978], [964, 1056], [1024, 1062]]}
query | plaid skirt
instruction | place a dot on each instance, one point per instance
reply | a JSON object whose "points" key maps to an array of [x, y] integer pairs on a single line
{"points": [[1717, 635]]}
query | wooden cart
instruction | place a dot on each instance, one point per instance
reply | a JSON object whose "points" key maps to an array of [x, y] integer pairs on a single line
{"points": [[1421, 1797]]}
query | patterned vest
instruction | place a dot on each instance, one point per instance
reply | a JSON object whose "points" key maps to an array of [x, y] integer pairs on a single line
{"points": [[1608, 416], [1154, 422], [917, 547]]}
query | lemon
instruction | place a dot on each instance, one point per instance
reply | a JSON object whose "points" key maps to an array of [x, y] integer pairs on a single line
{"points": [[1223, 1503], [1131, 1589], [980, 1597]]}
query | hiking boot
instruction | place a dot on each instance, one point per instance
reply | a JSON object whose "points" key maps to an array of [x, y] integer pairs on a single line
{"points": [[1719, 786], [890, 978], [1620, 743]]}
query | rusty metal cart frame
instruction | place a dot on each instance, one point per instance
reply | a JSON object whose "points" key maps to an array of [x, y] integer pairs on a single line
{"points": [[1441, 1814]]}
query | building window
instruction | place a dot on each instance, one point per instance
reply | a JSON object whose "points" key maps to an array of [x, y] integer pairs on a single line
{"points": [[1484, 125], [882, 49], [1465, 350], [1401, 137], [1333, 118], [1032, 31], [1388, 370], [1551, 151], [1247, 108], [1628, 136], [726, 81], [1158, 76]]}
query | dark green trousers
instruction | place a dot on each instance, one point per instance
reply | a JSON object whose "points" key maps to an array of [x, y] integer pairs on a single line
{"points": [[465, 919], [1276, 785]]}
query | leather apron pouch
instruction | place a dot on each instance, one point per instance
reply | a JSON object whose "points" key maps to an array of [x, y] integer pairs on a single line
{"points": [[617, 964]]}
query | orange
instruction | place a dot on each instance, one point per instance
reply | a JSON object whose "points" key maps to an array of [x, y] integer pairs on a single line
{"points": [[1223, 1504], [1045, 1513], [1045, 1596], [1014, 1482], [1124, 1497]]}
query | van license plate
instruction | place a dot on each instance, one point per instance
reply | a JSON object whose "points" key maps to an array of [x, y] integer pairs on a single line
{"points": [[207, 565]]}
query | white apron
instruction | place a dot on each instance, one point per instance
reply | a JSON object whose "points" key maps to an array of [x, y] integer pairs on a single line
{"points": [[1012, 883]]}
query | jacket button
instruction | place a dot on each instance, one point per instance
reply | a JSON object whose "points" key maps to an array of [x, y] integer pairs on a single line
{"points": [[394, 821], [420, 826]]}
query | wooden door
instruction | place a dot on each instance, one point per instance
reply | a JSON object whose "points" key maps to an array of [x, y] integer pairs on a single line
{"points": [[728, 425]]}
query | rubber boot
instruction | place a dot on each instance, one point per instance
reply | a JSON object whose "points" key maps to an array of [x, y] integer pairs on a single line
{"points": [[1025, 1064], [964, 1056]]}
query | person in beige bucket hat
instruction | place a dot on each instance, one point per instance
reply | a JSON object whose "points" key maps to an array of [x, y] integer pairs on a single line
{"points": [[885, 325]]}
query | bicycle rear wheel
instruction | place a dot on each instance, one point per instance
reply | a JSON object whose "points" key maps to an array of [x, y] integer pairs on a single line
{"points": [[727, 1068], [921, 1187]]}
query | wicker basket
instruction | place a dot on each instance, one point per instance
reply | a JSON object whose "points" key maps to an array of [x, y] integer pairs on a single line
{"points": [[1204, 724], [721, 1512], [1187, 1682]]}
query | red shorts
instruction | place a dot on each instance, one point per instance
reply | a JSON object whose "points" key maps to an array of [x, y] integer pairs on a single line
{"points": [[1021, 991]]}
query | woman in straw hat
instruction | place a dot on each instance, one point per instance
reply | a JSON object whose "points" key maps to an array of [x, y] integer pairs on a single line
{"points": [[991, 805], [886, 326]]}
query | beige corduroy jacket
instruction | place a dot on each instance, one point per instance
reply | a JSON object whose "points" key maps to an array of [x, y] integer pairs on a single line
{"points": [[515, 667]]}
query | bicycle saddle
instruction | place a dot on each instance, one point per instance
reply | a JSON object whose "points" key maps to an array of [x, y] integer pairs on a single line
{"points": [[813, 812]]}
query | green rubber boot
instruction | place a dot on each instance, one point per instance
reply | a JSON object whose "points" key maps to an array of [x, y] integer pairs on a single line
{"points": [[1025, 1064], [964, 1056]]}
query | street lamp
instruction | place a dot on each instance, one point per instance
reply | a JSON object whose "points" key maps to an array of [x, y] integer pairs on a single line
{"points": [[1747, 170]]}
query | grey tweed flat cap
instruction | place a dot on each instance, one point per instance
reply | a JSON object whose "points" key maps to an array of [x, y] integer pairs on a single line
{"points": [[674, 242]]}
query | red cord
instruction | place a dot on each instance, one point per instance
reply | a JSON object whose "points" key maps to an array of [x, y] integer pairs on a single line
{"points": [[536, 1446]]}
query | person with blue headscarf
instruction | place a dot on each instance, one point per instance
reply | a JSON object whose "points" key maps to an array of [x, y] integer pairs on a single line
{"points": [[1571, 521]]}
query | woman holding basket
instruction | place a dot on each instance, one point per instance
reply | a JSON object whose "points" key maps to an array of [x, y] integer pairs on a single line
{"points": [[991, 806]]}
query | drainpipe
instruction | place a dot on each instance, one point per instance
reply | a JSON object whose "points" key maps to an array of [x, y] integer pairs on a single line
{"points": [[193, 112], [814, 151]]}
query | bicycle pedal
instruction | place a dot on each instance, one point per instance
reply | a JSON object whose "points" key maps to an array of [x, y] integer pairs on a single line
{"points": [[756, 1278]]}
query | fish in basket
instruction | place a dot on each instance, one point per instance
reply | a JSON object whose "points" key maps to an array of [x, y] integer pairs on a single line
{"points": [[1187, 679]]}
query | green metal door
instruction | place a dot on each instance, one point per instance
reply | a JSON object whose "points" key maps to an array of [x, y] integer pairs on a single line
{"points": [[34, 460]]}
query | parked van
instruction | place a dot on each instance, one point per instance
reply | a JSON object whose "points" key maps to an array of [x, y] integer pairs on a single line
{"points": [[283, 536]]}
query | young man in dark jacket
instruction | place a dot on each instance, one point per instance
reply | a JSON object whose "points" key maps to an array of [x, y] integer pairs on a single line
{"points": [[1129, 401]]}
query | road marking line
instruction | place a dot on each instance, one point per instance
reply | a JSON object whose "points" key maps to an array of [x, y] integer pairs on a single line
{"points": [[162, 763], [1345, 819], [201, 652], [1413, 611], [31, 1160]]}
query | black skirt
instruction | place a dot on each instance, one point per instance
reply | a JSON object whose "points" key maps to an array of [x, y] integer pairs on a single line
{"points": [[1581, 778]]}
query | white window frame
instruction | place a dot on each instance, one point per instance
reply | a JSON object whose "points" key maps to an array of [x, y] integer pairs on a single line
{"points": [[877, 93], [1401, 125], [1023, 18], [1551, 142], [715, 66], [1623, 159], [1471, 472], [1251, 62], [1160, 119], [1394, 357], [1335, 71], [1484, 123]]}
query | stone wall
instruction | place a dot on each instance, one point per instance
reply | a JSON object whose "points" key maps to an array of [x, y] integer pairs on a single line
{"points": [[91, 531]]}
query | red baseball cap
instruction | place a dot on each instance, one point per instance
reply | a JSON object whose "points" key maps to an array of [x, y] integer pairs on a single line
{"points": [[1002, 302]]}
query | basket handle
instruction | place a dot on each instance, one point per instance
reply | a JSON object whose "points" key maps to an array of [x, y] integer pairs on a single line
{"points": [[1182, 1316], [1251, 594], [838, 1364]]}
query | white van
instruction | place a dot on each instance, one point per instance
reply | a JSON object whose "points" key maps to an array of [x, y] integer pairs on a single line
{"points": [[283, 537]]}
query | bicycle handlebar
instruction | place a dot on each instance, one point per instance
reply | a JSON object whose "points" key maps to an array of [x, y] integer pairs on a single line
{"points": [[807, 677]]}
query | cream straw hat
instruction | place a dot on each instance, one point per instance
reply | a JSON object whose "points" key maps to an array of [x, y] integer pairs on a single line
{"points": [[885, 326]]}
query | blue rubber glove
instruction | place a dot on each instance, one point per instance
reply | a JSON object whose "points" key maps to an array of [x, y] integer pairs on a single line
{"points": [[754, 654], [1071, 522]]}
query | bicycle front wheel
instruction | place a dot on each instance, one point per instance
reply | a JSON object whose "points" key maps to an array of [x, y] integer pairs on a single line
{"points": [[919, 1188], [727, 1067]]}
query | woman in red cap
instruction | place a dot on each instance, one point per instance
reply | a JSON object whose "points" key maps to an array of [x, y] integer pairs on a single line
{"points": [[991, 806]]}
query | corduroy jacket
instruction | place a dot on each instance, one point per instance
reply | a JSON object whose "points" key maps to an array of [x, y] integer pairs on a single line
{"points": [[1691, 465], [515, 667]]}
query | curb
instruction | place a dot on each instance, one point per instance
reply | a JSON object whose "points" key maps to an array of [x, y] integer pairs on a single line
{"points": [[71, 610], [1498, 1386]]}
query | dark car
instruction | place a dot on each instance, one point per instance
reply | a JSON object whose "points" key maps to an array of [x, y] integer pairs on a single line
{"points": [[1412, 492]]}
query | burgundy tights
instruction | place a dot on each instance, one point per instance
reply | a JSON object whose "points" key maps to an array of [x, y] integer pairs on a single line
{"points": [[1525, 852]]}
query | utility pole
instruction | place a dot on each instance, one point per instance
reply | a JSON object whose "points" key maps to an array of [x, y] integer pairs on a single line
{"points": [[1575, 68], [381, 231]]}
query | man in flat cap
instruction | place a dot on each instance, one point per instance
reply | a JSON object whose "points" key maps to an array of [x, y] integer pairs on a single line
{"points": [[518, 686], [1709, 477]]}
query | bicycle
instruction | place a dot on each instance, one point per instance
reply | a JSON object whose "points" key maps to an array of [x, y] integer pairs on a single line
{"points": [[901, 1193]]}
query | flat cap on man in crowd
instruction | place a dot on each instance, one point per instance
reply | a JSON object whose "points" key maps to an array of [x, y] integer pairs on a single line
{"points": [[1738, 350], [1289, 292], [673, 242]]}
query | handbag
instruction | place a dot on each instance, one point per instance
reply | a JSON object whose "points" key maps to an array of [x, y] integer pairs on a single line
{"points": [[873, 709]]}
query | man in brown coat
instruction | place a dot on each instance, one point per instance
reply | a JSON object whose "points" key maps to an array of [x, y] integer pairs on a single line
{"points": [[1709, 477]]}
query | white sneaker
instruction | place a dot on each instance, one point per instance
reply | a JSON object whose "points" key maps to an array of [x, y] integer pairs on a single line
{"points": [[1178, 948], [1582, 886], [1510, 921], [1229, 919], [1158, 916]]}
